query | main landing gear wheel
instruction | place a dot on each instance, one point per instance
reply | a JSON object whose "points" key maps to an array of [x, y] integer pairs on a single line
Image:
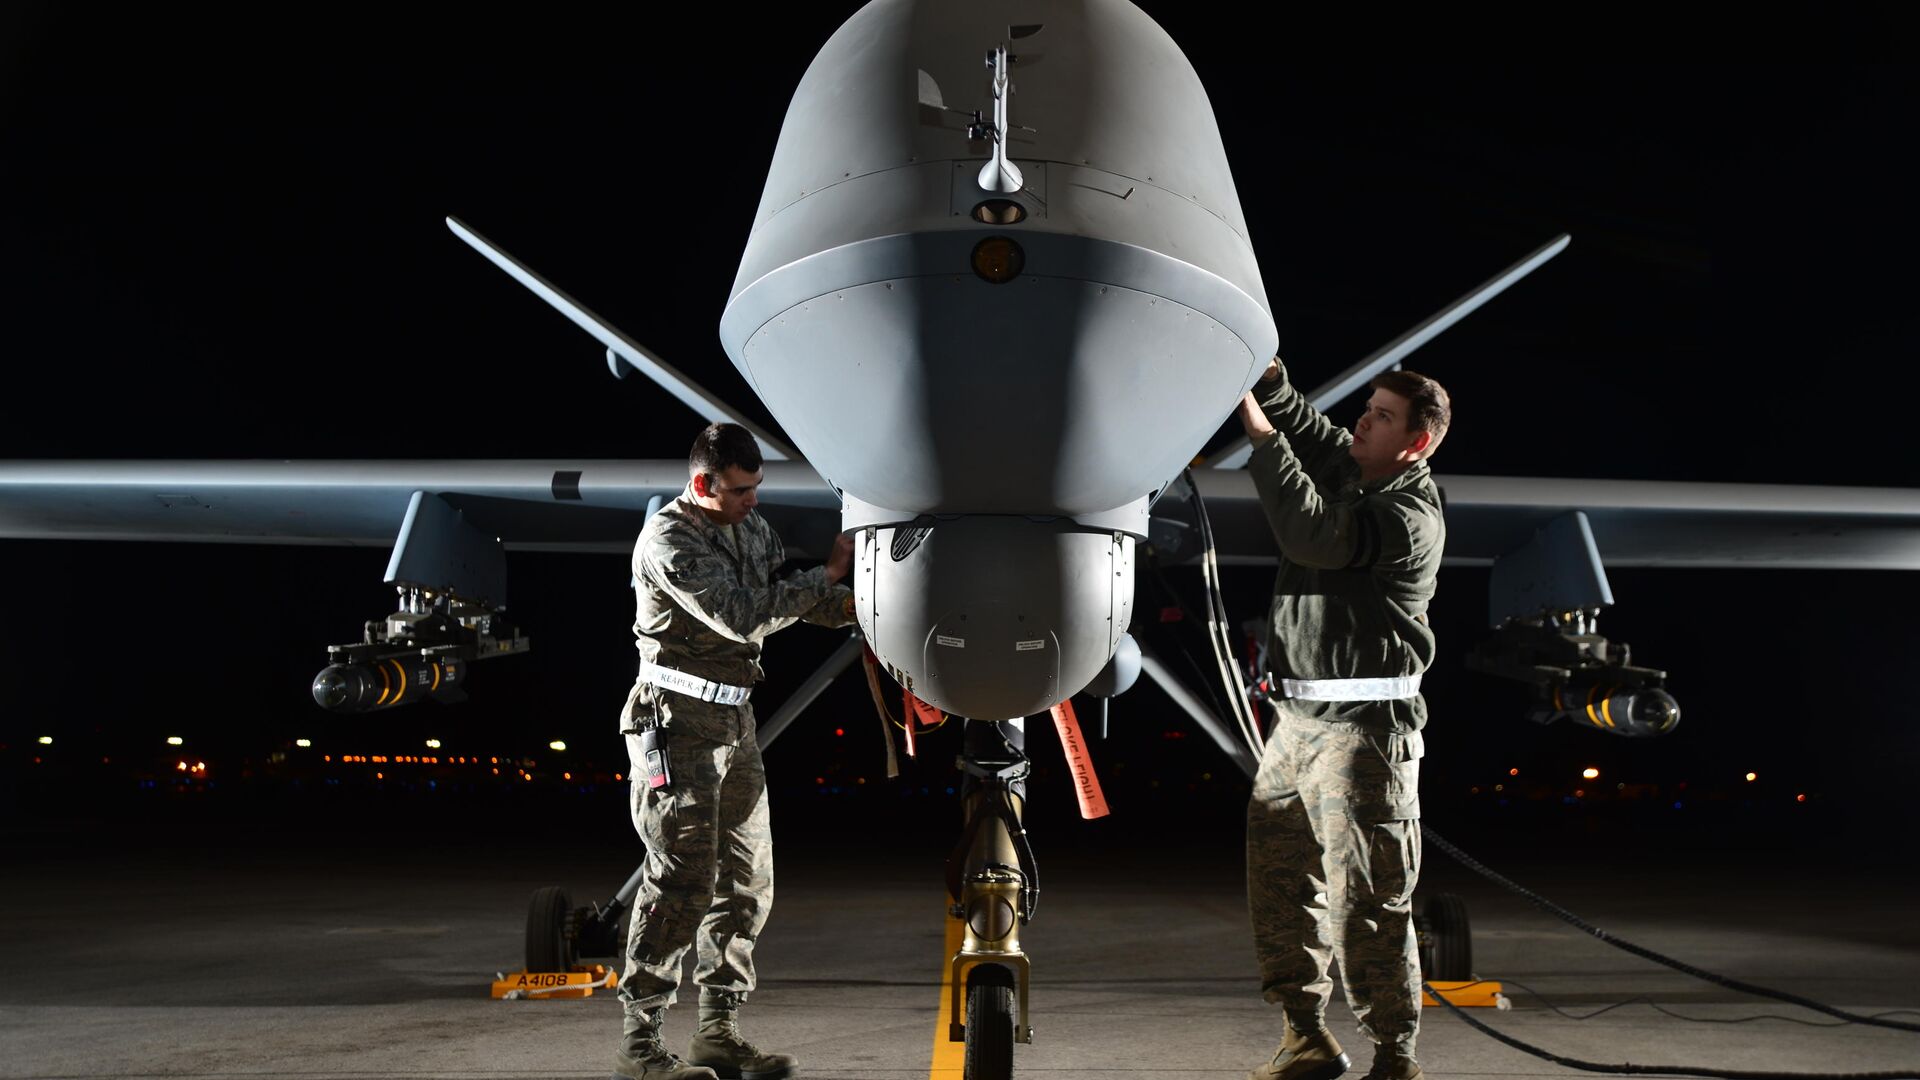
{"points": [[549, 937], [990, 1020], [1446, 939]]}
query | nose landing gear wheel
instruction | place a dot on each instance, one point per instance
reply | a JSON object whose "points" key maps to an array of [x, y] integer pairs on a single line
{"points": [[990, 1020]]}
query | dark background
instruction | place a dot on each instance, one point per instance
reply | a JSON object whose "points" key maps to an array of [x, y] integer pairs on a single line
{"points": [[223, 240]]}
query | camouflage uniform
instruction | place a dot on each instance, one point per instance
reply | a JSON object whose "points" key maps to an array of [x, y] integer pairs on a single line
{"points": [[1333, 829], [707, 596]]}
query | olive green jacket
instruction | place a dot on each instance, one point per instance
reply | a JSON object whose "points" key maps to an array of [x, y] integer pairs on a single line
{"points": [[1357, 563]]}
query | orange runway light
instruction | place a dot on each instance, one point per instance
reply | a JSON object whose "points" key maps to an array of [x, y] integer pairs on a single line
{"points": [[1590, 773]]}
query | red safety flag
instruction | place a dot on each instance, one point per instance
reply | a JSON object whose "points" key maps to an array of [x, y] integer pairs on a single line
{"points": [[1086, 784]]}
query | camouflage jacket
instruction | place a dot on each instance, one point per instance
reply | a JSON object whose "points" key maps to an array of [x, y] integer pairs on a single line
{"points": [[705, 600], [1357, 564]]}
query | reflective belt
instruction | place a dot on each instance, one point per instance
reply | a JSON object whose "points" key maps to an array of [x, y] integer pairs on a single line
{"points": [[1403, 686], [693, 685]]}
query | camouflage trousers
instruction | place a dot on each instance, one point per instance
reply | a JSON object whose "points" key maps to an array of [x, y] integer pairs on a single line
{"points": [[1333, 853], [708, 874]]}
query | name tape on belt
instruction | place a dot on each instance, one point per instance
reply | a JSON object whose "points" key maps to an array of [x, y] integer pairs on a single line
{"points": [[693, 685]]}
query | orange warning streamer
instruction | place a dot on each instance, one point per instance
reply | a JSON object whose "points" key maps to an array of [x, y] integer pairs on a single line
{"points": [[922, 712], [1086, 785]]}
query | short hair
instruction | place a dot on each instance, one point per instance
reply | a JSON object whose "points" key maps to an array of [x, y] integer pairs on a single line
{"points": [[1429, 409], [722, 446]]}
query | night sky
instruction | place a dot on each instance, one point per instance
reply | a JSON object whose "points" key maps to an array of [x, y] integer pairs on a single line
{"points": [[223, 240]]}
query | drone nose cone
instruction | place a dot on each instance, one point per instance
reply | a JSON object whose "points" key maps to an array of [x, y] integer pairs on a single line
{"points": [[1655, 711], [330, 688]]}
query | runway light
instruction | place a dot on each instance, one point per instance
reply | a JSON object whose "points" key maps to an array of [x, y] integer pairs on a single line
{"points": [[379, 776], [1751, 777], [1499, 787], [175, 740], [556, 745], [326, 757], [496, 761], [566, 776], [180, 766], [1800, 798], [839, 731], [1590, 774], [617, 776], [433, 744], [46, 740], [1513, 772], [303, 742]]}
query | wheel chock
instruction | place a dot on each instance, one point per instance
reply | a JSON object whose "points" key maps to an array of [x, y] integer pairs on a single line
{"points": [[578, 983], [1477, 992]]}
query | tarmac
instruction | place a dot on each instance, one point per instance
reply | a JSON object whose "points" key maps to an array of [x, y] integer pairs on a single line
{"points": [[251, 946]]}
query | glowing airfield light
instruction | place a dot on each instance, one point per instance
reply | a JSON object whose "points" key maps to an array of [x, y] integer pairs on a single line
{"points": [[1590, 773], [616, 776], [433, 744], [303, 743], [566, 776], [1751, 777], [46, 740], [1513, 772], [180, 766], [175, 740], [1799, 798], [556, 745]]}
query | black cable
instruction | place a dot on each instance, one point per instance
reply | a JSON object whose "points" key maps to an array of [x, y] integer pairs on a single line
{"points": [[1657, 1007], [1571, 919], [1630, 1069], [1204, 681], [1219, 632]]}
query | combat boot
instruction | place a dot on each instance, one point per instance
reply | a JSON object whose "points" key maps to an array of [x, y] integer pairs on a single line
{"points": [[719, 1046], [642, 1056], [1388, 1065], [1305, 1056]]}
